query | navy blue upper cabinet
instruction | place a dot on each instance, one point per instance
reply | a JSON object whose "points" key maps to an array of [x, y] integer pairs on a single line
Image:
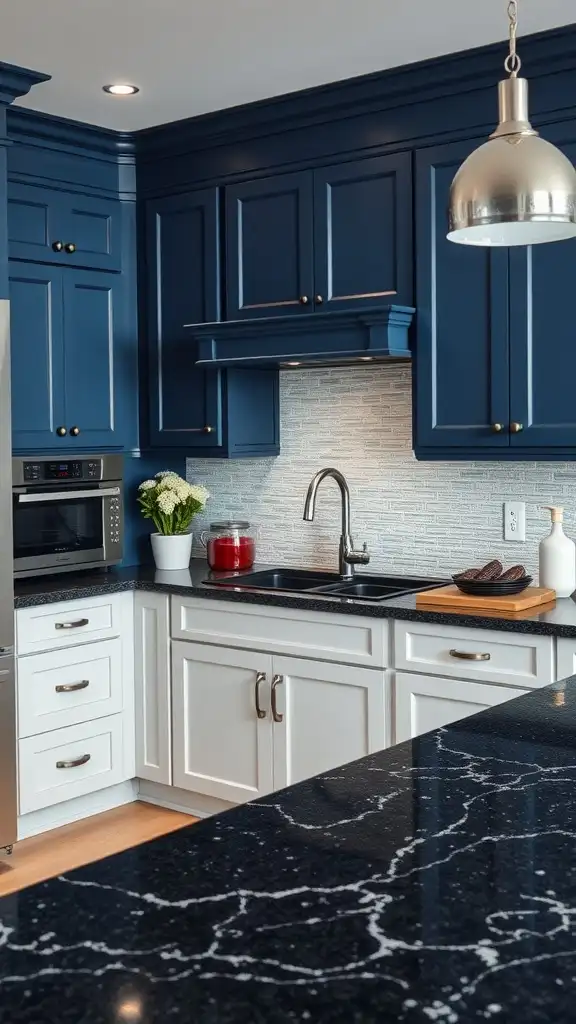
{"points": [[93, 356], [336, 238], [363, 233], [542, 340], [37, 355], [269, 261], [461, 364], [65, 228], [67, 358], [182, 287], [217, 413]]}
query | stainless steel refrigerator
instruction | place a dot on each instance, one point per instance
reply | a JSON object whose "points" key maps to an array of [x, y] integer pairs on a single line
{"points": [[8, 807]]}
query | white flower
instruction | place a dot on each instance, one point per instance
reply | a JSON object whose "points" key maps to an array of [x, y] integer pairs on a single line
{"points": [[167, 501], [147, 485], [168, 474], [199, 493]]}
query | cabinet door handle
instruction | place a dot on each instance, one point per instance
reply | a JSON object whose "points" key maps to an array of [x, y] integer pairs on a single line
{"points": [[207, 429], [71, 625], [72, 687], [497, 428], [318, 299], [61, 431], [469, 655], [75, 763], [275, 713], [260, 678], [74, 431], [57, 246], [304, 300], [515, 428], [69, 247]]}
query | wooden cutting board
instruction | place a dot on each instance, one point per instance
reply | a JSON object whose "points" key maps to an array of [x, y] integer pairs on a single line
{"points": [[452, 598]]}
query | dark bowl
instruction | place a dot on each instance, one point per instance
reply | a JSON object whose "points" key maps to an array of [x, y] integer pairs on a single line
{"points": [[492, 588]]}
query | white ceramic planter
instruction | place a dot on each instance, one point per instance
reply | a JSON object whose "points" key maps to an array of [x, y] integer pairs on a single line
{"points": [[172, 552]]}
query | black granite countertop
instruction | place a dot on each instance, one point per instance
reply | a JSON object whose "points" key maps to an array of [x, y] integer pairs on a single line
{"points": [[559, 620], [434, 881]]}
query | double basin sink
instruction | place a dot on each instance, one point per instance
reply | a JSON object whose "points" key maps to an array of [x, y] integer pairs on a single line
{"points": [[329, 584]]}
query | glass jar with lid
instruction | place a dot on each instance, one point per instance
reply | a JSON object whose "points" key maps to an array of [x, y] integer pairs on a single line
{"points": [[230, 545]]}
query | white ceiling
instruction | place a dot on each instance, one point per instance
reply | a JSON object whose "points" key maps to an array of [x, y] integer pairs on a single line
{"points": [[193, 56]]}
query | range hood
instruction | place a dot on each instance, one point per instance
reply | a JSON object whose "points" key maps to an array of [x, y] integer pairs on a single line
{"points": [[314, 339]]}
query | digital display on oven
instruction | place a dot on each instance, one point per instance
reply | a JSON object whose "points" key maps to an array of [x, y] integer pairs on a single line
{"points": [[63, 470]]}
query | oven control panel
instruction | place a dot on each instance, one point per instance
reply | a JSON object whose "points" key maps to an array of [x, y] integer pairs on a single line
{"points": [[66, 470]]}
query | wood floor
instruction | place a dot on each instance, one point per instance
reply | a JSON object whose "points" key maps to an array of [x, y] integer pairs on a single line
{"points": [[70, 846]]}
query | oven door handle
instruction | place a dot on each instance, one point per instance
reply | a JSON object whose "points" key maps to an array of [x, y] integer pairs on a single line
{"points": [[102, 492]]}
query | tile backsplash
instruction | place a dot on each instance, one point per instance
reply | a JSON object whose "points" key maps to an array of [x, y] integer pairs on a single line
{"points": [[425, 517]]}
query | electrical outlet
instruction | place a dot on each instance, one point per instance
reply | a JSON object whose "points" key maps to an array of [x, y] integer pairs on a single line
{"points": [[514, 521]]}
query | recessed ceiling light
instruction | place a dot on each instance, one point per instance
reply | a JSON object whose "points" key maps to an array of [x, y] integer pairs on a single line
{"points": [[366, 359], [121, 89], [292, 363]]}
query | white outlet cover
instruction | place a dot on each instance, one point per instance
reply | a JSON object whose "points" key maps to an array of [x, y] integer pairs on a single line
{"points": [[515, 521]]}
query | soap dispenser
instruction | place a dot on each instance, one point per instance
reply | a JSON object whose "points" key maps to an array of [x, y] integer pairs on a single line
{"points": [[557, 556]]}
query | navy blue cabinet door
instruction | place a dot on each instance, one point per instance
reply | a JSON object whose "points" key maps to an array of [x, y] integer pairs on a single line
{"points": [[542, 333], [269, 243], [37, 356], [93, 348], [461, 360], [64, 228], [363, 233], [182, 288]]}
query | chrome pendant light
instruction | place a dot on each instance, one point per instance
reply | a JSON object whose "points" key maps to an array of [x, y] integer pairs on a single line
{"points": [[516, 189]]}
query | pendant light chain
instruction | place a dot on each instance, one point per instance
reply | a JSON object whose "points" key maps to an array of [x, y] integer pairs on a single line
{"points": [[513, 62]]}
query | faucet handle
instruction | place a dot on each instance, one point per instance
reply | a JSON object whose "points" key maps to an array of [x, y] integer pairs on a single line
{"points": [[354, 557]]}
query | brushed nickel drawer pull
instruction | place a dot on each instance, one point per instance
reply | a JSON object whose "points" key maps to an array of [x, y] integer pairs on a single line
{"points": [[469, 655], [275, 713], [72, 687], [71, 625], [75, 763], [260, 678]]}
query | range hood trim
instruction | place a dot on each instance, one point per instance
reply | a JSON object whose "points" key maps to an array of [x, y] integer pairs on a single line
{"points": [[377, 334]]}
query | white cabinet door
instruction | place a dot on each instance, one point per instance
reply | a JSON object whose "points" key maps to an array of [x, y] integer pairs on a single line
{"points": [[331, 714], [429, 702], [152, 682], [220, 746]]}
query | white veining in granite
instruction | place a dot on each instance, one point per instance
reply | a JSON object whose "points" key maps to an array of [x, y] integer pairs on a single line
{"points": [[426, 517]]}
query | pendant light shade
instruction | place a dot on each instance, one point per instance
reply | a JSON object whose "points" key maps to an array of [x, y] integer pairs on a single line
{"points": [[516, 189]]}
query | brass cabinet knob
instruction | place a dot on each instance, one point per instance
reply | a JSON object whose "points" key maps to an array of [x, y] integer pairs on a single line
{"points": [[57, 246], [497, 428], [74, 431], [69, 247], [515, 428], [208, 430], [304, 300], [61, 431], [318, 299]]}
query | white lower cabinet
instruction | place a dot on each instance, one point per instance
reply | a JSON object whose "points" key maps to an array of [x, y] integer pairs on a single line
{"points": [[221, 748], [331, 714], [314, 716], [70, 762], [153, 699], [429, 702]]}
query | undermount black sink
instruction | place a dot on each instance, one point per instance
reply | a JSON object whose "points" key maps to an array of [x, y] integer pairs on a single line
{"points": [[328, 584]]}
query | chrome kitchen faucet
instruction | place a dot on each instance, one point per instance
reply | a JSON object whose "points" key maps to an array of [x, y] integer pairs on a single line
{"points": [[347, 556]]}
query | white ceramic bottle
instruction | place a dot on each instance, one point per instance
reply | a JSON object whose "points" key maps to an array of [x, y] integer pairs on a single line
{"points": [[557, 556]]}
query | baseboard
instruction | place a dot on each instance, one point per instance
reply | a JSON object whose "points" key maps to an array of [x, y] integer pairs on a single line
{"points": [[35, 822], [181, 800]]}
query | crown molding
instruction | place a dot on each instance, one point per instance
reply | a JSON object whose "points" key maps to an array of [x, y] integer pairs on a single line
{"points": [[47, 130], [16, 81], [543, 53]]}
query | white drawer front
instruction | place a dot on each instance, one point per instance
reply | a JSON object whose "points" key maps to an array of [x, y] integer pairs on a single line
{"points": [[423, 703], [52, 626], [97, 746], [77, 684], [514, 658], [326, 636]]}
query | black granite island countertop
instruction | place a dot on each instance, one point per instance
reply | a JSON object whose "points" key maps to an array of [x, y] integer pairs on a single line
{"points": [[558, 620], [434, 881]]}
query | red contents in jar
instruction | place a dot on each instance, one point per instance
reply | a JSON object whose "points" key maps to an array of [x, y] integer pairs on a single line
{"points": [[226, 554]]}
